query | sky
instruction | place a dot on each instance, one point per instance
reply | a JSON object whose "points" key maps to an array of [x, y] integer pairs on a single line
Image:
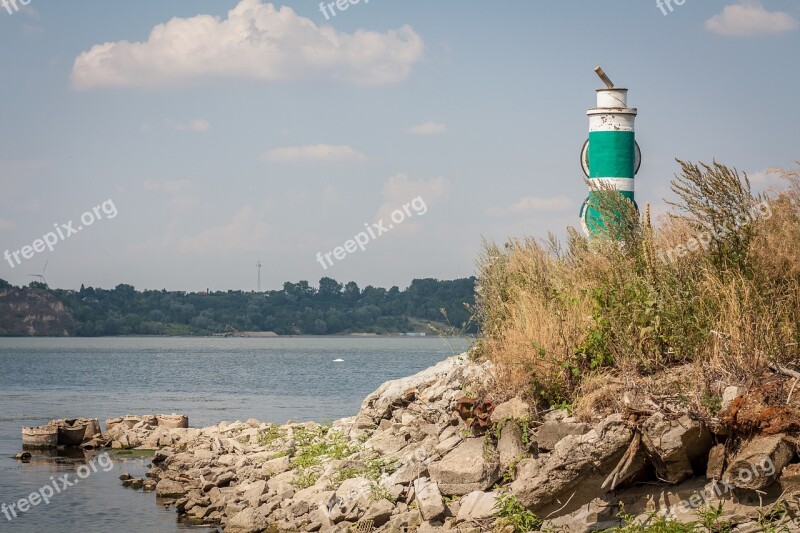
{"points": [[190, 139]]}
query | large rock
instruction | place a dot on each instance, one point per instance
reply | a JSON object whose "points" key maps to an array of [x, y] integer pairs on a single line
{"points": [[253, 493], [379, 512], [759, 463], [350, 500], [404, 521], [677, 447], [415, 465], [378, 404], [455, 370], [429, 499], [273, 467], [716, 462], [477, 505], [576, 468], [514, 409], [551, 432], [282, 484], [247, 521], [790, 479], [597, 515], [728, 395], [465, 469], [388, 442], [448, 444], [167, 488], [510, 448]]}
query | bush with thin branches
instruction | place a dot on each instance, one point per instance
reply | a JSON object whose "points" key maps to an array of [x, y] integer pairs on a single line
{"points": [[715, 285]]}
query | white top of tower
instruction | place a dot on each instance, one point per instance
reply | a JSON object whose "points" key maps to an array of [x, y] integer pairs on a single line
{"points": [[615, 98]]}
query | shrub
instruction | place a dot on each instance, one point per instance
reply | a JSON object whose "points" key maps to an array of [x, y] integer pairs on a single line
{"points": [[716, 284]]}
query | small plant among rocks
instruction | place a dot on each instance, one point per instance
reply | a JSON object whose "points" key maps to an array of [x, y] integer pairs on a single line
{"points": [[512, 512], [709, 520], [270, 436], [371, 468], [312, 445], [379, 492], [777, 519]]}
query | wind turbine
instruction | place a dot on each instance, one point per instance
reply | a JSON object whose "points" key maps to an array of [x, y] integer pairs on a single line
{"points": [[258, 266], [41, 276]]}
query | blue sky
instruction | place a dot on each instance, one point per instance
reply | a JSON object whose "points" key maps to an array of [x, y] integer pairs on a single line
{"points": [[270, 133]]}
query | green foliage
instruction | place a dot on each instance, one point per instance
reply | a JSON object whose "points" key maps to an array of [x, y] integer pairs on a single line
{"points": [[296, 309], [312, 445], [712, 402], [715, 284], [563, 405], [525, 427], [305, 478], [711, 198], [777, 519], [511, 472], [372, 469], [654, 524], [270, 436], [379, 492], [710, 520], [511, 510]]}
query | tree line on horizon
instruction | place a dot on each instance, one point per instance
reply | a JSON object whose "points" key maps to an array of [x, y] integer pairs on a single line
{"points": [[296, 309]]}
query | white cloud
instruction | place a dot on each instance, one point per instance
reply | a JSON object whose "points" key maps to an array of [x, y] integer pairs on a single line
{"points": [[428, 128], [762, 177], [400, 190], [167, 186], [199, 125], [531, 205], [256, 42], [750, 19], [314, 152], [767, 179], [245, 232]]}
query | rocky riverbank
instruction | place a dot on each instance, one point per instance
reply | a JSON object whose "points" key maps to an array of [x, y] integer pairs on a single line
{"points": [[435, 452]]}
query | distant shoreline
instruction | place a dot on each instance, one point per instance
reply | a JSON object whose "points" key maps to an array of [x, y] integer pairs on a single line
{"points": [[253, 335]]}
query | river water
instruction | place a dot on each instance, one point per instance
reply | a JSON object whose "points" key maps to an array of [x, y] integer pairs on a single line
{"points": [[211, 380]]}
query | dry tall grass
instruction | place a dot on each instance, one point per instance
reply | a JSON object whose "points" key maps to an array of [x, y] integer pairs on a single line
{"points": [[559, 322]]}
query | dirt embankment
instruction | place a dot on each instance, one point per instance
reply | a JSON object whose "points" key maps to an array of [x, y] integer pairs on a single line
{"points": [[34, 313]]}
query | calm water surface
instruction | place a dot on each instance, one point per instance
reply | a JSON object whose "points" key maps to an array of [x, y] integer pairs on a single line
{"points": [[211, 380]]}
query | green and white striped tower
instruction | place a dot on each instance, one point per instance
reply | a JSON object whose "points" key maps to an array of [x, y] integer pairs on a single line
{"points": [[611, 155]]}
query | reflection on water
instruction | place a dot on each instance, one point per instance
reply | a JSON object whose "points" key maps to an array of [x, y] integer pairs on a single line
{"points": [[58, 455]]}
